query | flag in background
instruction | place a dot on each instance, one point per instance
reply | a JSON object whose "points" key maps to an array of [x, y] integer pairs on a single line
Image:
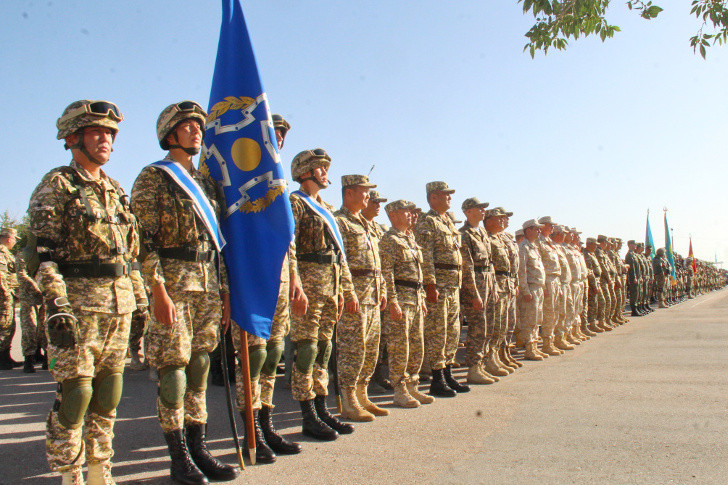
{"points": [[240, 152], [668, 250], [648, 238], [692, 257]]}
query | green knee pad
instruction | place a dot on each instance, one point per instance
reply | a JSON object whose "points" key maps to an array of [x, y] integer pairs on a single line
{"points": [[107, 391], [172, 385], [75, 397], [324, 353], [275, 350], [256, 359], [306, 355], [197, 371]]}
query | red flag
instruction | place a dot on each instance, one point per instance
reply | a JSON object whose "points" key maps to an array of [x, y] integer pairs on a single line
{"points": [[690, 255]]}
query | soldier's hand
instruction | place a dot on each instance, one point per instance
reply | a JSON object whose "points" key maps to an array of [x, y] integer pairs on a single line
{"points": [[432, 293], [61, 324], [424, 310], [164, 311], [352, 306], [382, 303], [299, 303], [527, 298], [395, 311], [477, 303], [225, 322], [340, 307]]}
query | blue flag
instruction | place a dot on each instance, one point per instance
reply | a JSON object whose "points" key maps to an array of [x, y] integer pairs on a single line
{"points": [[668, 250], [648, 238], [240, 152]]}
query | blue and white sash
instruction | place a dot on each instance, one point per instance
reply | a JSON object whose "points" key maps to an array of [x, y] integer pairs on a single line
{"points": [[199, 200], [327, 216]]}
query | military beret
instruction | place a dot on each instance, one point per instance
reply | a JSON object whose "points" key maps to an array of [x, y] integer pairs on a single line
{"points": [[438, 187], [375, 197], [473, 203], [531, 223], [8, 232], [398, 204], [353, 180], [546, 220]]}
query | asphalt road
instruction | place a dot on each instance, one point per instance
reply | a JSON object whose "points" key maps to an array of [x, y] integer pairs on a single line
{"points": [[645, 403]]}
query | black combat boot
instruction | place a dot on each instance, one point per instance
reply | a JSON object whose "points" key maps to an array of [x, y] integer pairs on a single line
{"points": [[209, 465], [183, 469], [263, 453], [635, 313], [313, 426], [41, 358], [438, 386], [452, 383], [276, 442], [6, 363], [323, 413], [28, 367]]}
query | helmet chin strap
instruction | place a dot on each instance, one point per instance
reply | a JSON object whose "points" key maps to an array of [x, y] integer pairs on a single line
{"points": [[187, 150], [82, 148], [321, 185]]}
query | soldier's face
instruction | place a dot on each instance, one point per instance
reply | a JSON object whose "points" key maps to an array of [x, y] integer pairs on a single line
{"points": [[440, 201], [279, 139], [547, 229], [357, 197], [189, 134], [98, 141], [374, 207]]}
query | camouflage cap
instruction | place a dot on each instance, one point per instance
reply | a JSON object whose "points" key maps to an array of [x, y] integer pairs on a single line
{"points": [[573, 229], [591, 240], [519, 232], [474, 203], [602, 238], [308, 160], [175, 114], [398, 205], [559, 229], [8, 232], [641, 245], [85, 112], [630, 242], [375, 197], [438, 187], [531, 223], [279, 123], [496, 212], [353, 180], [546, 220]]}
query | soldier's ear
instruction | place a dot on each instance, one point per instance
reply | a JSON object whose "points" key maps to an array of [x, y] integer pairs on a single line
{"points": [[71, 140]]}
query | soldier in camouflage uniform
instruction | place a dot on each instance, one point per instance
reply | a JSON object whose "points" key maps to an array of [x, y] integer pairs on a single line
{"points": [[8, 288], [596, 302], [439, 241], [403, 320], [634, 278], [504, 351], [477, 289], [606, 282], [552, 287], [531, 280], [327, 284], [613, 254], [662, 276], [87, 243], [264, 355], [562, 339], [358, 334], [649, 291], [31, 316], [190, 301]]}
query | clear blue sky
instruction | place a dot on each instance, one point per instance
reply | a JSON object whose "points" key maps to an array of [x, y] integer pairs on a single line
{"points": [[426, 90]]}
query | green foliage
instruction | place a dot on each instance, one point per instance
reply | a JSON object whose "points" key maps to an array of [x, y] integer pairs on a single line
{"points": [[557, 21]]}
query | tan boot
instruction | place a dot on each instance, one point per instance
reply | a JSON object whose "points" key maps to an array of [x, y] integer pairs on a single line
{"points": [[562, 344], [477, 376], [361, 395], [501, 364], [579, 334], [503, 359], [520, 343], [595, 328], [100, 474], [570, 339], [587, 331], [74, 476], [605, 328], [350, 407], [415, 393], [402, 398], [530, 353], [491, 365], [548, 347], [510, 357]]}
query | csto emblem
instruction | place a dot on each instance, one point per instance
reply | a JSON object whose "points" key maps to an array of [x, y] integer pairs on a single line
{"points": [[260, 190]]}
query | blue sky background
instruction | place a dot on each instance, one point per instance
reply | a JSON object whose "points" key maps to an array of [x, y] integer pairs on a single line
{"points": [[425, 90]]}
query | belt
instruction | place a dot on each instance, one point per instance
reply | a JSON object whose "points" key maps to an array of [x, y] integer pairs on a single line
{"points": [[365, 272], [506, 273], [447, 266], [483, 268], [319, 258], [409, 284], [94, 270], [186, 254]]}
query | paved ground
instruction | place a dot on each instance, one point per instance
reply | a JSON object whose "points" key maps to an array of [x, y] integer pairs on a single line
{"points": [[645, 403]]}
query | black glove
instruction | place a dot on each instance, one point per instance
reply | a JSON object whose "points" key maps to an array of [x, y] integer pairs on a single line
{"points": [[61, 324]]}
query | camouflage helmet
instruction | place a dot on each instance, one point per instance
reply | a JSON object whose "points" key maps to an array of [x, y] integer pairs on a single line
{"points": [[85, 112], [175, 114], [308, 160], [279, 123]]}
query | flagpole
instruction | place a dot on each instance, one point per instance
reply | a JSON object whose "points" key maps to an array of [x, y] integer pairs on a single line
{"points": [[228, 395], [249, 424]]}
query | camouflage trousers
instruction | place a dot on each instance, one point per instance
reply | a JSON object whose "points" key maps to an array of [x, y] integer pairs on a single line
{"points": [[596, 304], [530, 314], [442, 328], [496, 317], [562, 309], [317, 325], [550, 306], [609, 300], [197, 330], [635, 293], [512, 313], [32, 328], [577, 300], [584, 307], [405, 344], [618, 300], [357, 345], [477, 331], [101, 346], [135, 334], [7, 323]]}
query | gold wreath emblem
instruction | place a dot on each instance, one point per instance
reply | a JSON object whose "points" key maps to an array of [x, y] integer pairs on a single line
{"points": [[230, 102], [260, 204]]}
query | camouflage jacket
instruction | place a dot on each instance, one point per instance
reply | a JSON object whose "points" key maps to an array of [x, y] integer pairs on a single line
{"points": [[608, 270], [477, 266], [501, 263], [78, 219], [28, 290], [549, 256], [439, 240], [168, 220], [565, 276], [572, 260], [512, 248], [530, 268], [595, 270], [362, 256], [634, 273], [8, 274], [585, 273], [401, 260]]}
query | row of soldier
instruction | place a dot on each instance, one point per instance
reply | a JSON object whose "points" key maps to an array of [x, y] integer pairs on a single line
{"points": [[97, 255]]}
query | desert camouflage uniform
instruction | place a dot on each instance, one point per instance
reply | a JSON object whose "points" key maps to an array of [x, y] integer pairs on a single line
{"points": [[496, 311], [322, 283], [583, 311], [78, 219], [402, 262], [511, 305], [596, 297], [552, 287], [169, 224], [439, 241], [478, 282], [531, 280], [607, 283], [31, 315], [357, 335], [618, 278], [8, 288], [564, 298]]}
